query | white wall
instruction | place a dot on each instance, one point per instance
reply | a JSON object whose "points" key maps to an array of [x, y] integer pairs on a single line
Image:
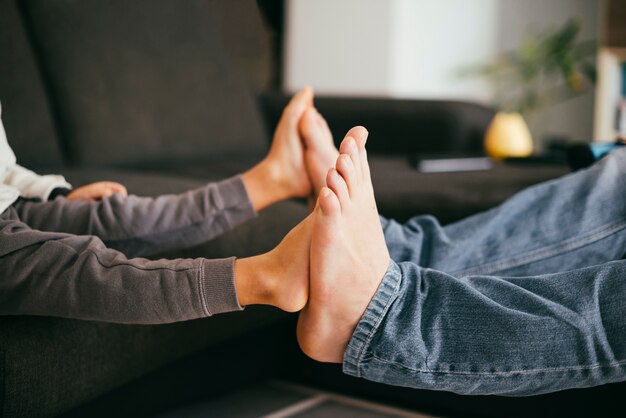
{"points": [[415, 48], [338, 46], [433, 40], [391, 48]]}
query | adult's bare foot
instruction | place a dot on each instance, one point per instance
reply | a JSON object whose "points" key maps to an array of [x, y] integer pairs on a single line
{"points": [[280, 277], [320, 153], [348, 254]]}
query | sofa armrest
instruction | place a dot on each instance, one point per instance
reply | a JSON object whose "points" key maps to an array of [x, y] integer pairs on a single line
{"points": [[397, 126]]}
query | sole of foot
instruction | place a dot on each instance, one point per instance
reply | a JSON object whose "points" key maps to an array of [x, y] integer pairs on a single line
{"points": [[279, 277], [320, 153], [348, 254]]}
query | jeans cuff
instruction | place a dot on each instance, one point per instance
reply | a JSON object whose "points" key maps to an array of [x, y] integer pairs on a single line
{"points": [[371, 319]]}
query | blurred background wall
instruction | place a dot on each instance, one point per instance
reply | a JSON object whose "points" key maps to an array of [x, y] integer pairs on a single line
{"points": [[416, 48]]}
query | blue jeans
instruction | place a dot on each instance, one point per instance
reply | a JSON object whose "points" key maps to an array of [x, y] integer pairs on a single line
{"points": [[527, 298]]}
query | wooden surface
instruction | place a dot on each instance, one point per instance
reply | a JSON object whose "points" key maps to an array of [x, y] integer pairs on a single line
{"points": [[615, 24]]}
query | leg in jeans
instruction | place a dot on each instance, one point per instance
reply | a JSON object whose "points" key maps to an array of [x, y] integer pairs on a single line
{"points": [[471, 328], [572, 222], [493, 335]]}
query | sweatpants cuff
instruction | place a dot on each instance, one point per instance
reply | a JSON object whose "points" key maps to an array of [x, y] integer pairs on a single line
{"points": [[371, 319], [217, 286]]}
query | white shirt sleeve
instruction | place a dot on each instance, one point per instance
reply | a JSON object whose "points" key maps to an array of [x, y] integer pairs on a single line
{"points": [[32, 185]]}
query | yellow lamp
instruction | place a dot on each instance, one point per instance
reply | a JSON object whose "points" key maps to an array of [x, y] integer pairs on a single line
{"points": [[508, 136]]}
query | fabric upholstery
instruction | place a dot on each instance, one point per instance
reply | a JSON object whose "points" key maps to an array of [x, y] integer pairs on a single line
{"points": [[142, 82], [399, 127], [403, 192], [52, 365], [26, 114]]}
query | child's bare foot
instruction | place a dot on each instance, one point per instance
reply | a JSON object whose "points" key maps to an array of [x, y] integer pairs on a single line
{"points": [[320, 152], [348, 255], [282, 173], [280, 277]]}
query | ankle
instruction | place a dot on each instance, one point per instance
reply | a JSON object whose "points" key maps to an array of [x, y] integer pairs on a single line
{"points": [[277, 180], [264, 185], [254, 281]]}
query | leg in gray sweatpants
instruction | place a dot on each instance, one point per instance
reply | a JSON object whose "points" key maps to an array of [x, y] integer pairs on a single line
{"points": [[55, 259], [140, 226]]}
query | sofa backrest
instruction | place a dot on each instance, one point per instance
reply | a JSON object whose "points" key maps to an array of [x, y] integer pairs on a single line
{"points": [[142, 82], [26, 114], [399, 126]]}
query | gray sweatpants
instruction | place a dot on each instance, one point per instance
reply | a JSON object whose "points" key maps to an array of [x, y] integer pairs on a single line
{"points": [[79, 259]]}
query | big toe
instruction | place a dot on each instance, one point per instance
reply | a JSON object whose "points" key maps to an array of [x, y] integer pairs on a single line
{"points": [[315, 132], [308, 126], [359, 134], [354, 146]]}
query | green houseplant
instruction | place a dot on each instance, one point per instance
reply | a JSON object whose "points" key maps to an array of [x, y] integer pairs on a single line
{"points": [[549, 68]]}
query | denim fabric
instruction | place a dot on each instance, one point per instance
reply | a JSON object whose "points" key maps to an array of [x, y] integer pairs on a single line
{"points": [[527, 298]]}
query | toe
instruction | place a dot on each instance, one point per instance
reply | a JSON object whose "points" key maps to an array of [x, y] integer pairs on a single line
{"points": [[308, 94], [349, 147], [315, 133], [322, 123], [304, 96], [308, 125], [325, 131], [346, 168], [329, 203], [365, 167], [343, 148], [338, 185], [359, 134], [300, 102]]}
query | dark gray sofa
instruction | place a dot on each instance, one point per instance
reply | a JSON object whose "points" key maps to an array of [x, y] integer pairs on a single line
{"points": [[146, 93], [64, 85]]}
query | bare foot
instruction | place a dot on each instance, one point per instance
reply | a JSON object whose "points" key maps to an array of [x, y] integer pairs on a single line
{"points": [[282, 173], [348, 255], [320, 152], [280, 277]]}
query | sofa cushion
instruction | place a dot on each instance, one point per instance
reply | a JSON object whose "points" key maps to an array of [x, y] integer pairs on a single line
{"points": [[142, 82], [25, 112], [403, 192], [54, 364]]}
